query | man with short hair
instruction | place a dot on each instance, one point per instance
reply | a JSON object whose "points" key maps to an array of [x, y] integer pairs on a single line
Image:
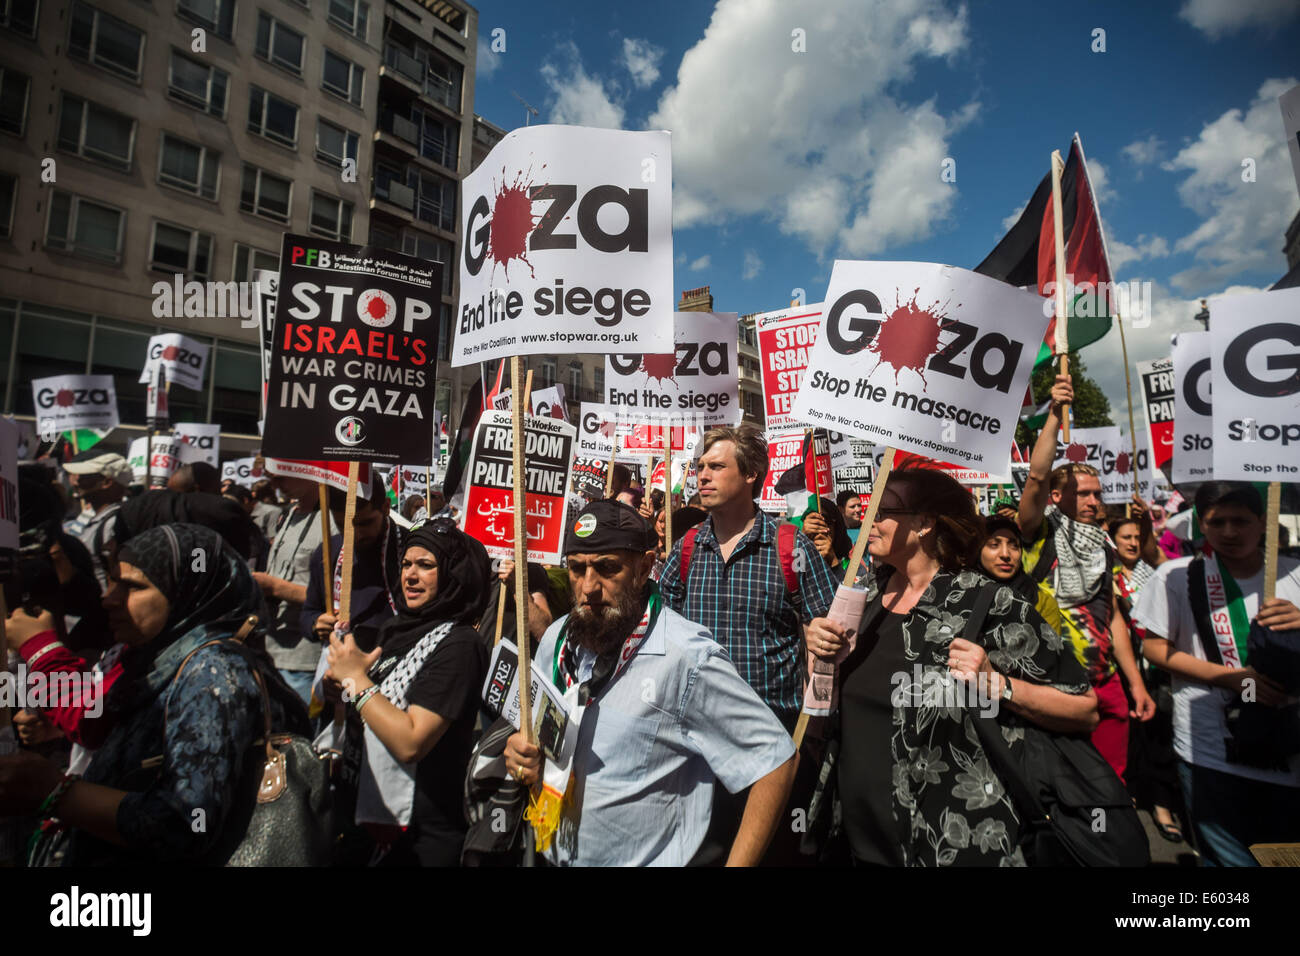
{"points": [[267, 510], [665, 715], [1061, 515], [735, 586], [850, 505], [101, 480], [1232, 803]]}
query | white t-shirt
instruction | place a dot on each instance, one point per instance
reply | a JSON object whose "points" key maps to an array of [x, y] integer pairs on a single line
{"points": [[1199, 727]]}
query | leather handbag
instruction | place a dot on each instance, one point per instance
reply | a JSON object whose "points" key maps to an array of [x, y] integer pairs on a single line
{"points": [[1073, 809]]}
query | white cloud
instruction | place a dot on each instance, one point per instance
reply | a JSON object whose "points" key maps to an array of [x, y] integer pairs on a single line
{"points": [[848, 167], [1217, 18], [1014, 218], [702, 263], [1142, 152], [1121, 253], [680, 258], [1099, 177], [641, 57], [1244, 221], [579, 99], [488, 62], [751, 266]]}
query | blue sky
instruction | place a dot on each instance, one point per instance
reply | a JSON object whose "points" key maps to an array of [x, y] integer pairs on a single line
{"points": [[785, 161]]}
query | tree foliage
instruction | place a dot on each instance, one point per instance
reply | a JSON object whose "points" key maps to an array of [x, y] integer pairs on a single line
{"points": [[1091, 408]]}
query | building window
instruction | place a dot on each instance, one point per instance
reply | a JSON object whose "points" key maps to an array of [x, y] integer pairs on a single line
{"points": [[436, 202], [178, 250], [96, 133], [272, 117], [351, 15], [599, 375], [342, 77], [194, 84], [247, 260], [548, 374], [217, 15], [188, 166], [278, 44], [575, 382], [8, 199], [446, 331], [105, 41], [335, 144], [13, 101], [330, 217], [20, 16], [265, 195], [427, 247], [85, 228]]}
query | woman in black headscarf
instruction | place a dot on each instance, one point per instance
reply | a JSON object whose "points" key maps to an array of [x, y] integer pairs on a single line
{"points": [[415, 700], [160, 507], [175, 753]]}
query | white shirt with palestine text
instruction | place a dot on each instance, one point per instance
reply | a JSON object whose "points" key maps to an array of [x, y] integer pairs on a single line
{"points": [[1199, 727]]}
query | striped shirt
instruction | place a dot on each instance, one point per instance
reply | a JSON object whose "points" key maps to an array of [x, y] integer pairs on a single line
{"points": [[745, 604]]}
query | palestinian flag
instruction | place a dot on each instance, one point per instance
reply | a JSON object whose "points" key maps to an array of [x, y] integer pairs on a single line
{"points": [[459, 454], [1026, 256], [814, 475], [83, 438]]}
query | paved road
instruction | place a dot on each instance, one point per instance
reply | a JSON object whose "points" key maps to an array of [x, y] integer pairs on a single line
{"points": [[1164, 853]]}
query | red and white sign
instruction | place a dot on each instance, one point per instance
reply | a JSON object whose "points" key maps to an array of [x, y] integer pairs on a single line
{"points": [[649, 439], [242, 471], [1157, 380], [182, 357], [68, 402], [784, 451], [785, 339], [203, 437], [332, 473], [167, 453], [488, 514], [1107, 451], [925, 358]]}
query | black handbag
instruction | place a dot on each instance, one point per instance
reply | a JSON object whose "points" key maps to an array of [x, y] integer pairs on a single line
{"points": [[1073, 809]]}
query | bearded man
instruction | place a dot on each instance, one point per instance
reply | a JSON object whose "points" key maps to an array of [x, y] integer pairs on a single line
{"points": [[664, 715]]}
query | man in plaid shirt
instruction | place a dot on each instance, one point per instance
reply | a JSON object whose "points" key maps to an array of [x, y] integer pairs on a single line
{"points": [[736, 587]]}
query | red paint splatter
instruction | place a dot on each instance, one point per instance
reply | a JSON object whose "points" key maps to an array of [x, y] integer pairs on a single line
{"points": [[170, 352], [65, 398], [607, 429], [1122, 463], [1076, 452], [376, 308], [909, 336], [661, 367], [512, 223]]}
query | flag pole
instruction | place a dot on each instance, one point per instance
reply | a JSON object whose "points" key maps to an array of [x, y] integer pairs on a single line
{"points": [[521, 550], [668, 487], [1128, 387], [1272, 513], [1062, 339]]}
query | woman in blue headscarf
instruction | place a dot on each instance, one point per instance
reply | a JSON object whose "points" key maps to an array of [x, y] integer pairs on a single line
{"points": [[175, 754]]}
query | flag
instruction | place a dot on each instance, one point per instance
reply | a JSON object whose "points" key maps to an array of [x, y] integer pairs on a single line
{"points": [[84, 438], [1026, 256], [489, 400], [814, 475], [459, 456]]}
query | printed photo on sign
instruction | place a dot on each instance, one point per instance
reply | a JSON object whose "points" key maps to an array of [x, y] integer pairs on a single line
{"points": [[568, 245], [922, 357], [1107, 451], [488, 514], [182, 357], [699, 384], [354, 360], [68, 402], [785, 338], [1193, 415], [1157, 380], [1255, 361]]}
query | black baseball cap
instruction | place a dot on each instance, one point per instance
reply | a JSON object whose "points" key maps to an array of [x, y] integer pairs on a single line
{"points": [[607, 526]]}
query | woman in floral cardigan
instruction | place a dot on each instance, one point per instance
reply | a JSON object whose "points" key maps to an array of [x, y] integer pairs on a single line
{"points": [[910, 784]]}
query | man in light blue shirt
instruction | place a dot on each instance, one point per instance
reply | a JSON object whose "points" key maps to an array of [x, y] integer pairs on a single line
{"points": [[666, 716]]}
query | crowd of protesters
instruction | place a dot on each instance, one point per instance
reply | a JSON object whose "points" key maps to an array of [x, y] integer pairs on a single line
{"points": [[208, 614]]}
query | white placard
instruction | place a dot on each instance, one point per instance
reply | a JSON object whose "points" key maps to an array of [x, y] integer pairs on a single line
{"points": [[242, 471], [699, 384], [68, 402], [205, 438], [598, 426], [1107, 451], [182, 357], [1193, 413], [1255, 364], [927, 358], [168, 454], [568, 245]]}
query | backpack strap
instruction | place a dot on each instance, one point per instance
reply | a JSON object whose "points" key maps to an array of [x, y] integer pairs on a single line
{"points": [[1198, 596], [785, 538], [688, 545]]}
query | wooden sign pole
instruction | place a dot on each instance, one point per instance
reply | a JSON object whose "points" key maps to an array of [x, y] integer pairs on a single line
{"points": [[521, 548], [609, 472], [328, 579], [1132, 430], [668, 489], [1062, 339], [1272, 513], [349, 512], [855, 559]]}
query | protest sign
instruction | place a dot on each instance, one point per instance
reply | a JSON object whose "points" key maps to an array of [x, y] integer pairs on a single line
{"points": [[600, 433], [784, 451], [924, 358], [8, 485], [1020, 475], [857, 472], [550, 718], [267, 288], [649, 439], [205, 438], [587, 481], [698, 384], [355, 354], [1193, 418], [1158, 399], [68, 402], [1107, 451], [183, 358], [785, 338], [332, 473], [165, 454], [242, 471], [568, 245], [1290, 104], [489, 498], [549, 403], [1255, 368]]}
